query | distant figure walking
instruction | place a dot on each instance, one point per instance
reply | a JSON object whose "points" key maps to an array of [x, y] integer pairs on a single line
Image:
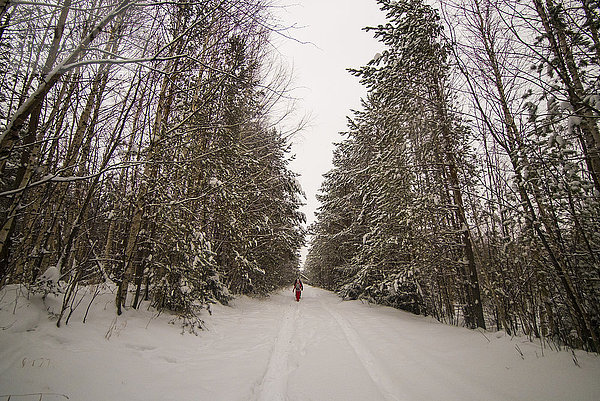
{"points": [[298, 287]]}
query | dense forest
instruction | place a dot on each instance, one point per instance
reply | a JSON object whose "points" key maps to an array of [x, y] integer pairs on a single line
{"points": [[467, 186], [140, 147]]}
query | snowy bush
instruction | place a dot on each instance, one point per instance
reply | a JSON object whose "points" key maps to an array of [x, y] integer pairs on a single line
{"points": [[47, 283]]}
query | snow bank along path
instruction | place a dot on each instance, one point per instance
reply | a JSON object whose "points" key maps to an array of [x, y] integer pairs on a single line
{"points": [[276, 349]]}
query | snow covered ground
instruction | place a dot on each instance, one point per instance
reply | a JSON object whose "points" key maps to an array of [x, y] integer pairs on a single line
{"points": [[276, 349]]}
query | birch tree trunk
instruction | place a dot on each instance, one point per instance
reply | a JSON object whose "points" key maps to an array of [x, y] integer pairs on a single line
{"points": [[30, 156], [11, 133]]}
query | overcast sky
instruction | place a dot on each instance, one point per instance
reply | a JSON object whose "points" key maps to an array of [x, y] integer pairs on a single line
{"points": [[327, 91]]}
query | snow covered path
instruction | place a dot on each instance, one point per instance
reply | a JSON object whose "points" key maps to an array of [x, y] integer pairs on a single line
{"points": [[338, 350], [276, 349]]}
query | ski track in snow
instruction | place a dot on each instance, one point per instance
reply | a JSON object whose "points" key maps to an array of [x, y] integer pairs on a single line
{"points": [[375, 371], [273, 386], [429, 362], [419, 358]]}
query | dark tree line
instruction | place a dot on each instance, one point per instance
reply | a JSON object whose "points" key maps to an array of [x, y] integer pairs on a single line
{"points": [[139, 148], [466, 186]]}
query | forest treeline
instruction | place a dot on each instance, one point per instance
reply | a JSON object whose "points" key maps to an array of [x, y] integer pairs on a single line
{"points": [[467, 186], [139, 146]]}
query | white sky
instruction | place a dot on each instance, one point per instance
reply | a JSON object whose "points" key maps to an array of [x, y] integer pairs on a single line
{"points": [[327, 91]]}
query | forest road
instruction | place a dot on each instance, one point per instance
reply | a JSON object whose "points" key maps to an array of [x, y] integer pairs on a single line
{"points": [[317, 354], [276, 349], [328, 349]]}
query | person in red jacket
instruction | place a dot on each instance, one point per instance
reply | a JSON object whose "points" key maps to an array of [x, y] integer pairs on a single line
{"points": [[298, 287]]}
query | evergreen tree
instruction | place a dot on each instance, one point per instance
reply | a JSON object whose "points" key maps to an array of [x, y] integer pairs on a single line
{"points": [[415, 226]]}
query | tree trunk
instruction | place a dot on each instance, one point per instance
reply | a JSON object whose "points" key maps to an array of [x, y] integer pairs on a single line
{"points": [[11, 133], [474, 294], [569, 75], [512, 145], [30, 153], [162, 113]]}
